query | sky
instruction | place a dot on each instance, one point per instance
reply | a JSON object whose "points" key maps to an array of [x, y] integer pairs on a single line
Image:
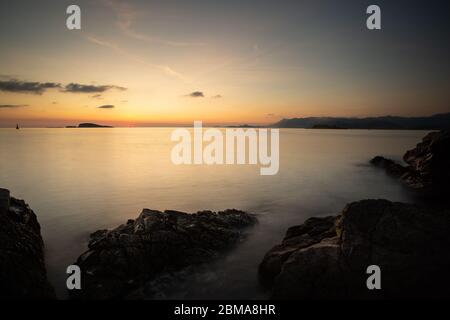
{"points": [[144, 63]]}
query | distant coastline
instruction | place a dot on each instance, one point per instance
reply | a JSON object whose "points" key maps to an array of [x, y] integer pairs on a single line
{"points": [[434, 122]]}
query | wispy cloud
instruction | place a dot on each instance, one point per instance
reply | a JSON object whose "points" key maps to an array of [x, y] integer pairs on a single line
{"points": [[241, 62], [171, 72], [12, 106], [165, 69], [27, 86], [7, 77], [217, 96], [257, 49], [102, 43], [126, 15], [106, 106], [273, 115]]}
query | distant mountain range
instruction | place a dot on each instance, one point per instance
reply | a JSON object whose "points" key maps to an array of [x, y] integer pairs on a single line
{"points": [[434, 122]]}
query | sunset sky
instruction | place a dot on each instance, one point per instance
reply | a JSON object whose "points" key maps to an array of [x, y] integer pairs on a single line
{"points": [[222, 62]]}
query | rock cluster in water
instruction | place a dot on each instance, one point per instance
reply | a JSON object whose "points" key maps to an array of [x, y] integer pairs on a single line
{"points": [[327, 258], [428, 169], [123, 259], [22, 267]]}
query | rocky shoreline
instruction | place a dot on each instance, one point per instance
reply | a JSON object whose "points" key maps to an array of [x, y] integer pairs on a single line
{"points": [[326, 258], [122, 260], [427, 166], [22, 267]]}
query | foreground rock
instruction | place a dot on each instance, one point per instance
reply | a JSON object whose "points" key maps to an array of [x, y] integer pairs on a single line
{"points": [[326, 258], [22, 267], [121, 260], [428, 169]]}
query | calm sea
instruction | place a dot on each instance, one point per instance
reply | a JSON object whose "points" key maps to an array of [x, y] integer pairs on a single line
{"points": [[81, 180]]}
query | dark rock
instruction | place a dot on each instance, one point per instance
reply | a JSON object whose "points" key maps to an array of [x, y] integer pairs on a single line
{"points": [[428, 169], [408, 242], [311, 232], [392, 168], [124, 259], [22, 267], [431, 159], [4, 201]]}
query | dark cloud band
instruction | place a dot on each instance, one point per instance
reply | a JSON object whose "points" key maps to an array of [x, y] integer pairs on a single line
{"points": [[83, 88], [107, 106], [27, 87], [196, 94], [12, 106], [17, 86]]}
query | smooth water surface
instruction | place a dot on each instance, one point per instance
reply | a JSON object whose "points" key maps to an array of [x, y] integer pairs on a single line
{"points": [[81, 180]]}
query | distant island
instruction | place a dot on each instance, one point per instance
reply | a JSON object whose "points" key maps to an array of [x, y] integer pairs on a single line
{"points": [[434, 122], [89, 125]]}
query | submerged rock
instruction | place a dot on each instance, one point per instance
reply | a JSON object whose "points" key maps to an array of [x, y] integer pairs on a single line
{"points": [[22, 267], [392, 168], [327, 258], [123, 259], [428, 166]]}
